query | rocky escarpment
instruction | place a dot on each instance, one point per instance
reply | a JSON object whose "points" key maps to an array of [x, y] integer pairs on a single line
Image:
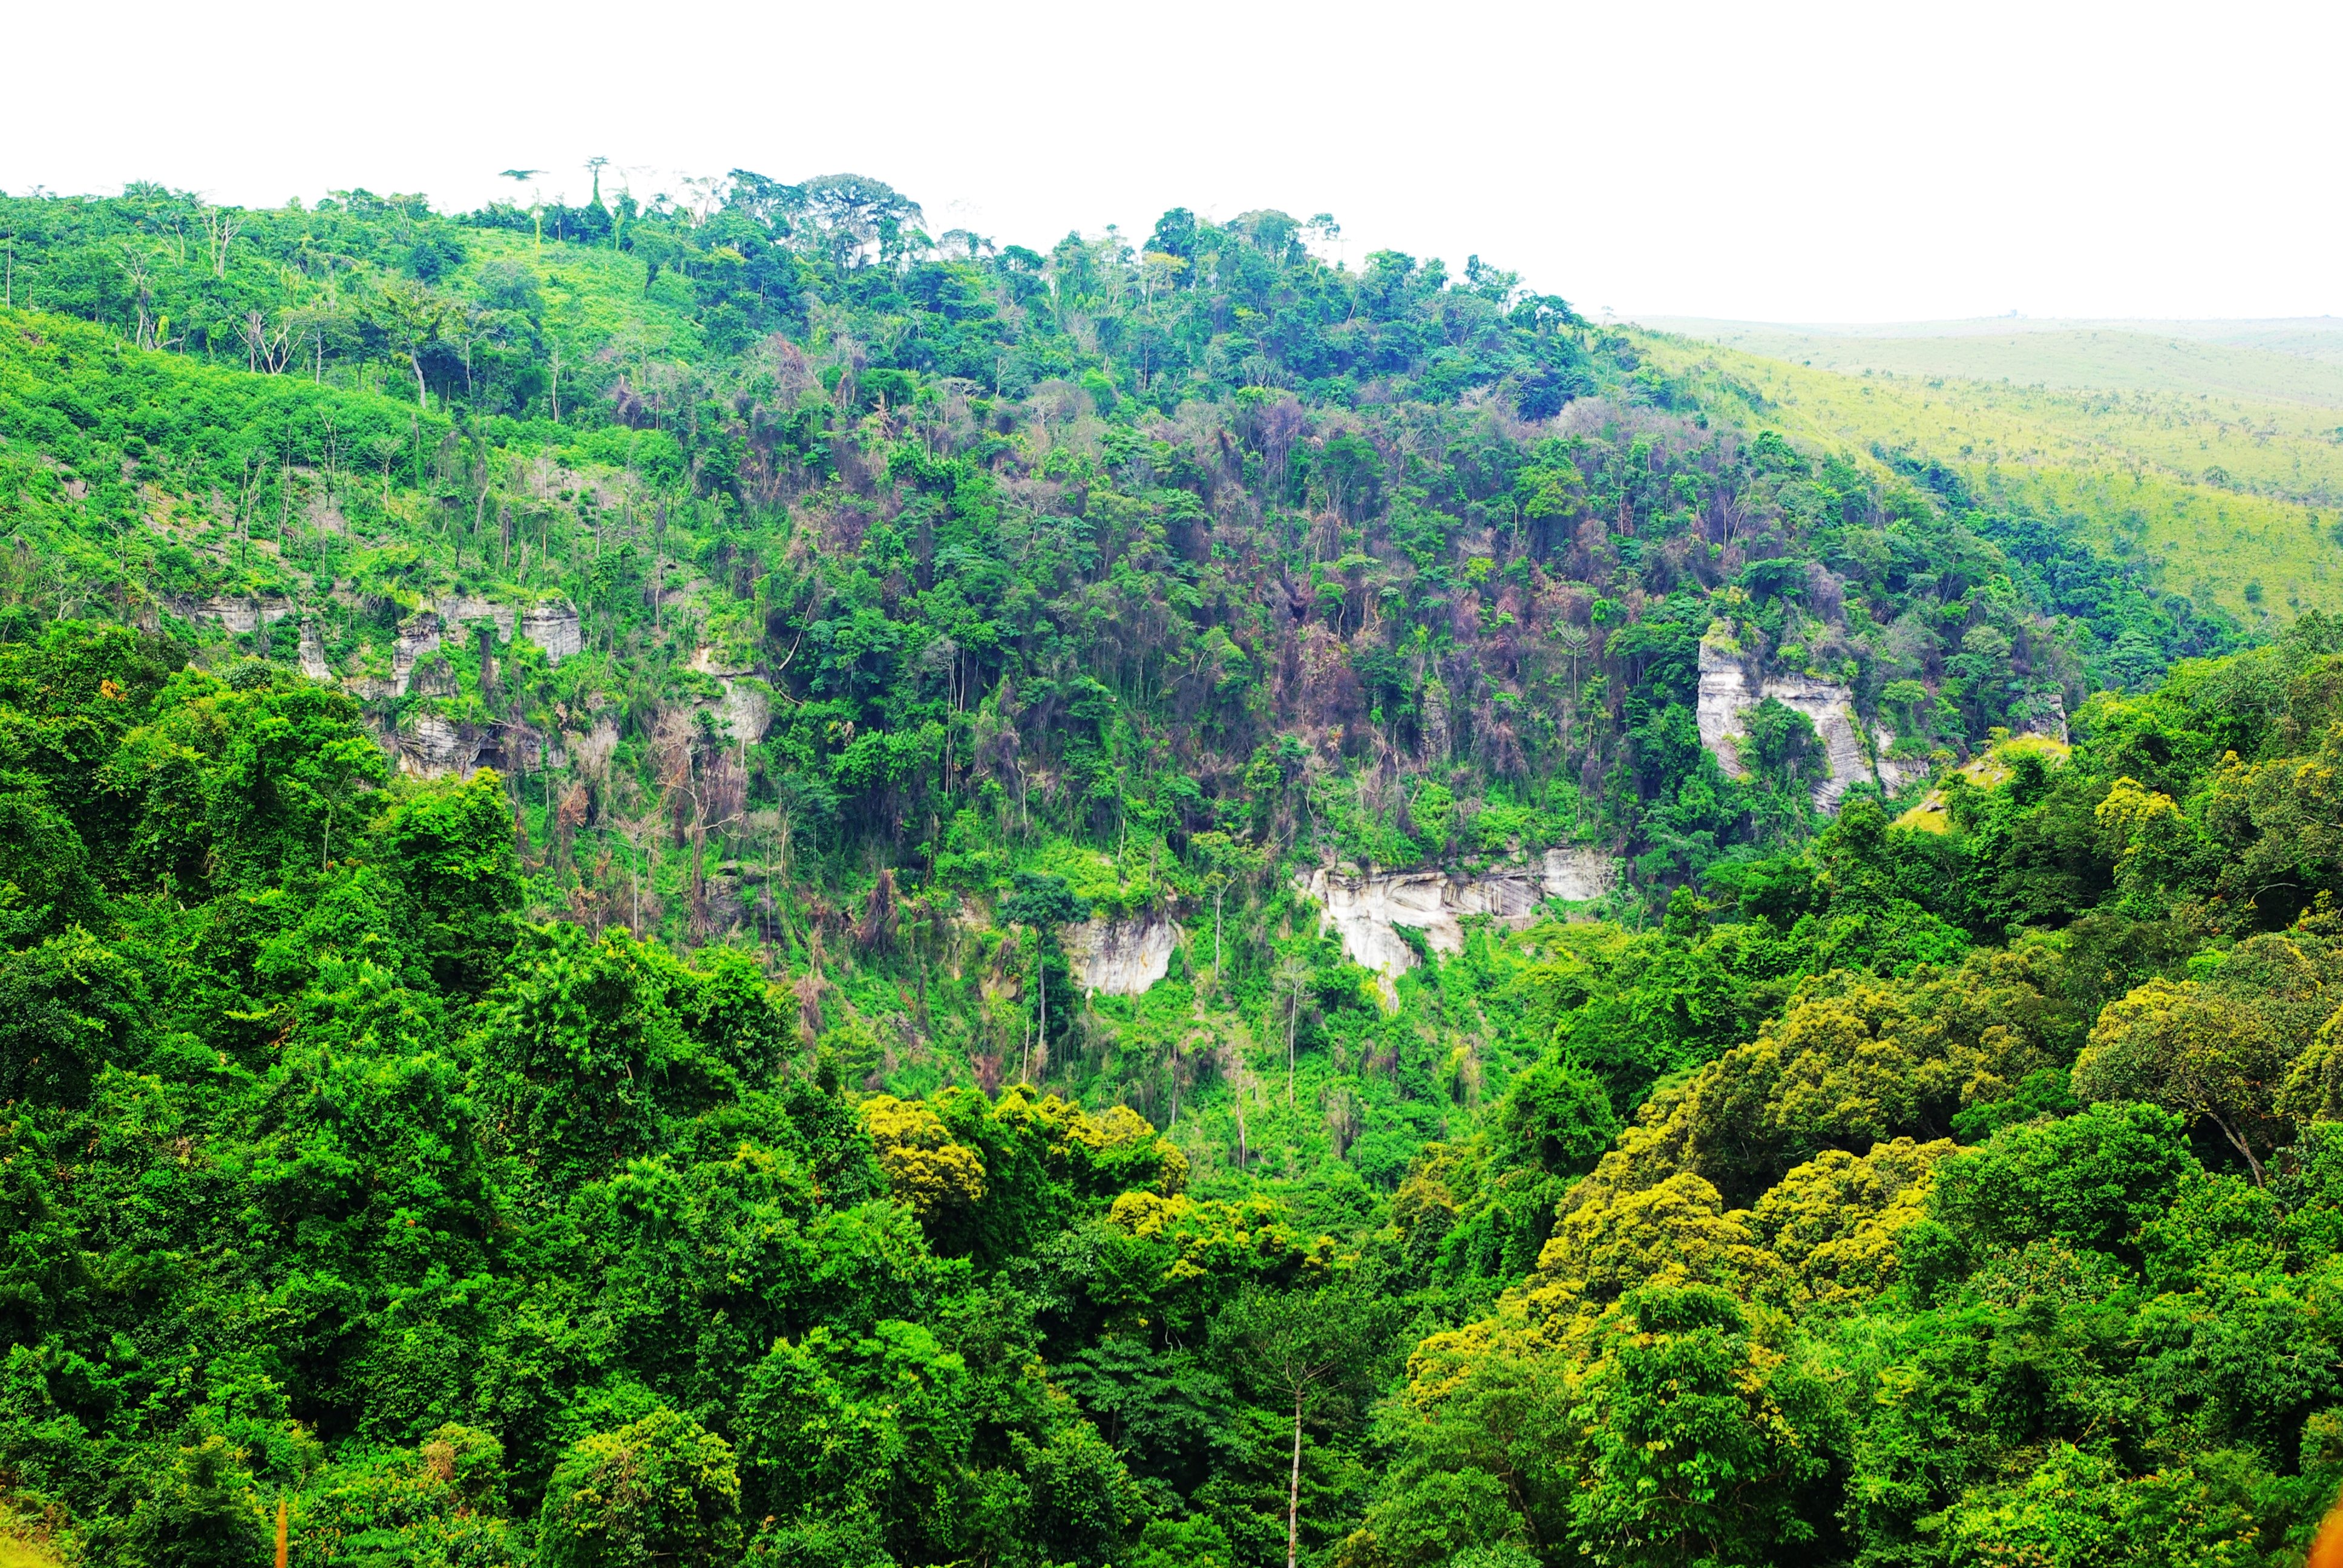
{"points": [[241, 616], [1120, 957], [462, 611], [432, 747], [418, 639], [313, 653], [1728, 690], [745, 711], [2044, 713], [1366, 908], [553, 626]]}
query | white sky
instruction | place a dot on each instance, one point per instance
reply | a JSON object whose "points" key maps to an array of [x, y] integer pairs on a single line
{"points": [[1788, 162]]}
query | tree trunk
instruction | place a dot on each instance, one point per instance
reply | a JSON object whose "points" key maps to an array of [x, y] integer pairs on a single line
{"points": [[1292, 1011], [1242, 1154], [658, 561], [2240, 1145], [1293, 1492]]}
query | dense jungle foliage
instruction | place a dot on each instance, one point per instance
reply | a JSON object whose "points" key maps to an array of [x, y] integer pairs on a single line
{"points": [[681, 1137]]}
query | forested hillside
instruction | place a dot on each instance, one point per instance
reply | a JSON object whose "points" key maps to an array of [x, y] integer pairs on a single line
{"points": [[2206, 455], [717, 881]]}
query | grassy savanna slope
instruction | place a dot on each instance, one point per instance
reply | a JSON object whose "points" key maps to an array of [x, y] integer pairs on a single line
{"points": [[2259, 363], [2134, 466], [201, 510], [2316, 337], [1986, 771], [595, 299], [2284, 333]]}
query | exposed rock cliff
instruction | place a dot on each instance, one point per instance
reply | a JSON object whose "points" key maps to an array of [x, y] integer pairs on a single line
{"points": [[435, 747], [2044, 713], [746, 709], [554, 627], [1120, 957], [237, 615], [419, 638], [313, 653], [1576, 874], [1365, 910], [1729, 691], [469, 611]]}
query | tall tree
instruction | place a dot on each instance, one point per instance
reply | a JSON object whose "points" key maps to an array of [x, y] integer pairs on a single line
{"points": [[1315, 1352]]}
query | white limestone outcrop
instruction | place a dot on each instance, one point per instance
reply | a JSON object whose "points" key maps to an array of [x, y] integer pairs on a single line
{"points": [[1366, 908], [1727, 693], [552, 626], [462, 611], [1120, 957], [745, 711], [419, 638], [1893, 775], [555, 627], [313, 653], [1576, 873], [242, 616], [431, 747]]}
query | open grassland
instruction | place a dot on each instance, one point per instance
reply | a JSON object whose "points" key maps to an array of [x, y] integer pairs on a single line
{"points": [[1986, 770], [2260, 364], [598, 297], [2236, 502], [24, 1554]]}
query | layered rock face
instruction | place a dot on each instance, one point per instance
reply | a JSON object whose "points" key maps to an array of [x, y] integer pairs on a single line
{"points": [[467, 611], [242, 616], [1366, 909], [419, 638], [554, 627], [313, 653], [1120, 957], [1577, 873], [746, 709], [435, 747], [431, 746], [1727, 693]]}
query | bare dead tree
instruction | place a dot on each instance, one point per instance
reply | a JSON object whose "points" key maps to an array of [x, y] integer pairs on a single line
{"points": [[221, 226], [142, 294], [265, 350]]}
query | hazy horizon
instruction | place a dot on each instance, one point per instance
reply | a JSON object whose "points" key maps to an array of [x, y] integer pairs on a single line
{"points": [[1986, 325], [1817, 163]]}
